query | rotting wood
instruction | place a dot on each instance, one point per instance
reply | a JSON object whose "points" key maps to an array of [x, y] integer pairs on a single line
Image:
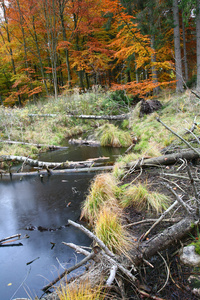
{"points": [[48, 165], [50, 147]]}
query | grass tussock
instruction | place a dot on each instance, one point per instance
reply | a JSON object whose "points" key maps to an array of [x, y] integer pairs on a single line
{"points": [[81, 291], [102, 190], [111, 135], [142, 199], [110, 230]]}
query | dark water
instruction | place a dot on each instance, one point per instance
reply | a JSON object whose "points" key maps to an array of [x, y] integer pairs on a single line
{"points": [[32, 202]]}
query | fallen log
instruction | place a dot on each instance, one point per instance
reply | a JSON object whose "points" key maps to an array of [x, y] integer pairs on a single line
{"points": [[139, 254], [164, 159], [84, 142], [57, 172], [50, 147], [49, 165], [95, 117]]}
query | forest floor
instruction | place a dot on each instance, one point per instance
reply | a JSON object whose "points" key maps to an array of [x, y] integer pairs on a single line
{"points": [[168, 279]]}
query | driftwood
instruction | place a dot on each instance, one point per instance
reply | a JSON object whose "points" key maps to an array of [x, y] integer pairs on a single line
{"points": [[49, 165], [95, 117], [50, 147]]}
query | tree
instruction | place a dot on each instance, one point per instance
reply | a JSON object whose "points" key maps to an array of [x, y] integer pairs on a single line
{"points": [[177, 48]]}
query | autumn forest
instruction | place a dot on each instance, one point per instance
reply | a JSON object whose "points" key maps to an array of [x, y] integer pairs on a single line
{"points": [[49, 46]]}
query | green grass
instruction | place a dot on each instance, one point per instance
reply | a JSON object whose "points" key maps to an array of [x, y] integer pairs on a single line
{"points": [[102, 189], [141, 198], [111, 135], [81, 291], [109, 229]]}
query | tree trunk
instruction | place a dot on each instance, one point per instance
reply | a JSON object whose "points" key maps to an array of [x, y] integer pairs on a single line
{"points": [[185, 51], [177, 48], [61, 13], [198, 42], [10, 49]]}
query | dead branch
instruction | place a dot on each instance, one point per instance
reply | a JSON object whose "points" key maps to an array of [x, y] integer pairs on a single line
{"points": [[57, 172], [182, 139], [67, 271], [113, 272], [185, 206], [95, 117], [171, 220], [50, 147], [78, 249], [160, 219], [11, 237], [92, 236], [48, 165]]}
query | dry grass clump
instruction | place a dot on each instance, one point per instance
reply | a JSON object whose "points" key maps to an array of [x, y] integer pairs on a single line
{"points": [[110, 230], [111, 135], [141, 198], [81, 291], [101, 190]]}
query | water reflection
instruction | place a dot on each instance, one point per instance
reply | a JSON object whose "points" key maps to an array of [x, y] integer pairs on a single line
{"points": [[34, 203], [30, 202]]}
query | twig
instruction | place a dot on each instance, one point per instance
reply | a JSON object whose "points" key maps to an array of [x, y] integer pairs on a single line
{"points": [[78, 249], [194, 135], [67, 271], [111, 278], [122, 268], [159, 219], [182, 139], [168, 273], [179, 176], [194, 189], [186, 207], [174, 220], [172, 182]]}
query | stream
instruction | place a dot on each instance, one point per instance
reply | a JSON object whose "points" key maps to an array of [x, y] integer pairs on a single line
{"points": [[32, 204]]}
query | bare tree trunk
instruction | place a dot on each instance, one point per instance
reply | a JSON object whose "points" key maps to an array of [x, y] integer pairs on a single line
{"points": [[61, 13], [198, 42], [185, 51], [177, 48]]}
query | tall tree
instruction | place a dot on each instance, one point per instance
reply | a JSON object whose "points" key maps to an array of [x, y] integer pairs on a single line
{"points": [[177, 48]]}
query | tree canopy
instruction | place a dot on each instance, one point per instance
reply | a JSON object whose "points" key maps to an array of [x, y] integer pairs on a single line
{"points": [[49, 46]]}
